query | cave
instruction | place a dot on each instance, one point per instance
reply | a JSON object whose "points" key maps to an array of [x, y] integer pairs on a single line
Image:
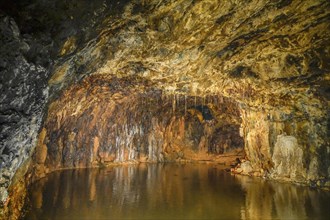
{"points": [[175, 94]]}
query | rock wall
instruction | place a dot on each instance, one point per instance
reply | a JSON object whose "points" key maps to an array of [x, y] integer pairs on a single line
{"points": [[270, 57], [35, 35], [288, 159], [23, 96], [104, 120], [287, 145]]}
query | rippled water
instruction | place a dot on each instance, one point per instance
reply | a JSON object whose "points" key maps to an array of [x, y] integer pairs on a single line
{"points": [[170, 191]]}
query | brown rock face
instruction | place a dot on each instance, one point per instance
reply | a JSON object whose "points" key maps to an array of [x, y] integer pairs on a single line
{"points": [[137, 81], [103, 120], [271, 58]]}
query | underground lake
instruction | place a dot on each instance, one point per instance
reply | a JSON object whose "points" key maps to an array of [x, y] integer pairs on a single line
{"points": [[164, 109], [169, 191]]}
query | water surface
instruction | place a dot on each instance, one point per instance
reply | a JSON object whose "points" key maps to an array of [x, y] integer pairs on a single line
{"points": [[170, 191]]}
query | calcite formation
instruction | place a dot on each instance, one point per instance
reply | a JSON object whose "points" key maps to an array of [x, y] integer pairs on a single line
{"points": [[101, 121], [105, 69], [288, 158]]}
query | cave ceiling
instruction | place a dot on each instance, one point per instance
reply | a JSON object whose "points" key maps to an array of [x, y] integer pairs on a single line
{"points": [[259, 52]]}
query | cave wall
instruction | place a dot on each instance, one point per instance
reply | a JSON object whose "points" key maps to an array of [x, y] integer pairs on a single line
{"points": [[271, 57], [23, 96], [107, 120], [287, 145], [33, 36]]}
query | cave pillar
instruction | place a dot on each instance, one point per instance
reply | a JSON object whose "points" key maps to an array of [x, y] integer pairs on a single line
{"points": [[255, 129]]}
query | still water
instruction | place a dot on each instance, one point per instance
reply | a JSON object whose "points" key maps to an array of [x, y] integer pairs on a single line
{"points": [[170, 191]]}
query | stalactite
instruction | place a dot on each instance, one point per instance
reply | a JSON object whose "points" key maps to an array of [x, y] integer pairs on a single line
{"points": [[173, 104], [185, 105], [195, 101]]}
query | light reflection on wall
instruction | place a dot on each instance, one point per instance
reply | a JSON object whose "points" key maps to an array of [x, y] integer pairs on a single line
{"points": [[267, 199], [165, 191]]}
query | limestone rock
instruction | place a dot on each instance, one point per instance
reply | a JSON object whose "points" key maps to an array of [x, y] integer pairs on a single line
{"points": [[246, 167], [270, 58], [288, 159], [86, 128], [3, 196]]}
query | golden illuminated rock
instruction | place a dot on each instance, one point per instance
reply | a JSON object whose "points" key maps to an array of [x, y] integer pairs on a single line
{"points": [[270, 57], [98, 71]]}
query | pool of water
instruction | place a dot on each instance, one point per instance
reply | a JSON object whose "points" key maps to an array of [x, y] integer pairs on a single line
{"points": [[170, 191]]}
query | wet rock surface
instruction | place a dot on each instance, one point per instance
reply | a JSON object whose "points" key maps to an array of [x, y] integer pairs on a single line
{"points": [[287, 146], [33, 36], [23, 97], [102, 121], [270, 58]]}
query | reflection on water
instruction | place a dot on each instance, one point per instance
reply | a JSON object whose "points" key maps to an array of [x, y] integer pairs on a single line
{"points": [[170, 191]]}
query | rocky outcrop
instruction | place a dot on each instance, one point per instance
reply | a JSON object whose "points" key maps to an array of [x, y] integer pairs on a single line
{"points": [[288, 158], [287, 145]]}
